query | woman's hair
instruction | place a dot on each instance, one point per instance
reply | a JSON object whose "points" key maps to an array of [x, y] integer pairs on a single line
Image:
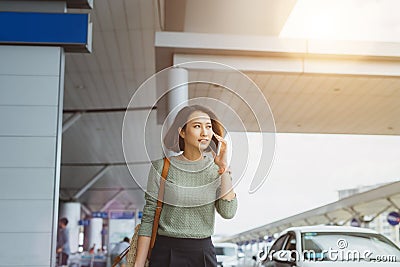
{"points": [[175, 142]]}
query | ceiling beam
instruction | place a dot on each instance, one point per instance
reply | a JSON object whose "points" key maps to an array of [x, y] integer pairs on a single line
{"points": [[380, 212], [95, 178], [71, 121], [293, 64], [111, 200], [109, 110], [256, 45], [99, 164], [86, 209], [393, 203]]}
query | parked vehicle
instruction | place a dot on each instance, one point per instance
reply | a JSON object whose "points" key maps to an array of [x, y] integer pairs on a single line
{"points": [[331, 246], [227, 254]]}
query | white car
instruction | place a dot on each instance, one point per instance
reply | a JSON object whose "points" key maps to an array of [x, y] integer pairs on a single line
{"points": [[227, 254], [311, 246]]}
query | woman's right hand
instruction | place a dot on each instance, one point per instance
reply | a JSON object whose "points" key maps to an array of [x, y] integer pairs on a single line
{"points": [[221, 158]]}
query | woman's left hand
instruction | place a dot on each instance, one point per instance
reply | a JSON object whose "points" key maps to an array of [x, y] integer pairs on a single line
{"points": [[221, 159]]}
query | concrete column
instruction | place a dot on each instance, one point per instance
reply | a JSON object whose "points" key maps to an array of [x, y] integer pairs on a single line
{"points": [[94, 233], [72, 211], [179, 93]]}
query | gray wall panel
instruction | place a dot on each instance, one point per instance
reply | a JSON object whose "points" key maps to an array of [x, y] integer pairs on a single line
{"points": [[17, 216], [28, 120], [26, 183], [25, 249], [27, 151], [30, 93], [30, 60], [28, 90]]}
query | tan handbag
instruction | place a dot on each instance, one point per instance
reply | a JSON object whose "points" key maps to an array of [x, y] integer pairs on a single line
{"points": [[131, 251]]}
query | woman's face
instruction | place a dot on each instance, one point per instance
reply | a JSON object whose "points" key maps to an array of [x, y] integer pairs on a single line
{"points": [[198, 132]]}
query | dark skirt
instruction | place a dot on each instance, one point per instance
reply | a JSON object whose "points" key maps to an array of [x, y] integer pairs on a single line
{"points": [[183, 252]]}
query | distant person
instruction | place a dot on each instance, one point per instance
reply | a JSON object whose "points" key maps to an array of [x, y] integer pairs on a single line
{"points": [[118, 249], [63, 249]]}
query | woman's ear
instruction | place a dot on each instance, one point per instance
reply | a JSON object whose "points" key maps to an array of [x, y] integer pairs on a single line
{"points": [[181, 132]]}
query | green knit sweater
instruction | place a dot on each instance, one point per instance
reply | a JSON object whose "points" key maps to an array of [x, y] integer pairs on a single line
{"points": [[190, 199]]}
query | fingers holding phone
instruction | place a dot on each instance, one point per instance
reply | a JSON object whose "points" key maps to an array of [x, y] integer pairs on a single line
{"points": [[221, 153]]}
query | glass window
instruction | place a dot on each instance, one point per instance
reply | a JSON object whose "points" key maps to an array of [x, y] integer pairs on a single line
{"points": [[278, 245], [291, 243]]}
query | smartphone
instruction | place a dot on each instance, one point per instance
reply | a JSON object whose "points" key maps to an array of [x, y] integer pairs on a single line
{"points": [[218, 148]]}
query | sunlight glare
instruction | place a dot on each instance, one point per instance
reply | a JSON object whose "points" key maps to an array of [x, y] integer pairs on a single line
{"points": [[351, 20]]}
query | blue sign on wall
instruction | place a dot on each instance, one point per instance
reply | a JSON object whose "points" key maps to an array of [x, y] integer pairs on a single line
{"points": [[100, 214], [84, 222], [393, 218], [122, 215], [71, 31]]}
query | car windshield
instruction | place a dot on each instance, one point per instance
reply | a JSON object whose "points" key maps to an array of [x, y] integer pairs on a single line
{"points": [[225, 251], [348, 247]]}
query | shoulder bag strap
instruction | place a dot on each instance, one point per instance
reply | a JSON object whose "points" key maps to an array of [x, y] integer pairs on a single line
{"points": [[160, 198]]}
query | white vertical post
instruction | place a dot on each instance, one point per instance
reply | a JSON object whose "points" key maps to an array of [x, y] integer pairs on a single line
{"points": [[72, 211], [94, 232], [178, 93], [177, 96]]}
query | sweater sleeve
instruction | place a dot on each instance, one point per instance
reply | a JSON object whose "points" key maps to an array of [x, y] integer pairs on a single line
{"points": [[153, 183], [226, 208]]}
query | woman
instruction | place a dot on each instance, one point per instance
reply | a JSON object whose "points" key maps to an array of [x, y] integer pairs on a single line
{"points": [[197, 186]]}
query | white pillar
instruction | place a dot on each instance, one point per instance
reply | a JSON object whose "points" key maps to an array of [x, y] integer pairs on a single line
{"points": [[94, 232], [72, 211], [178, 93]]}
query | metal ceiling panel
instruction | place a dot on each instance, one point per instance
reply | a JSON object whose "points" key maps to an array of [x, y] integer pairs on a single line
{"points": [[124, 57], [117, 176]]}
